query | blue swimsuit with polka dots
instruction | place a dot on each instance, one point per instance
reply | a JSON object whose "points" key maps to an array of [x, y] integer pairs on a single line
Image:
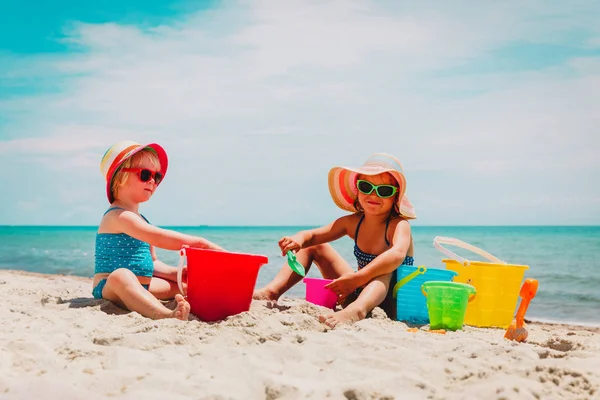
{"points": [[119, 250], [363, 259]]}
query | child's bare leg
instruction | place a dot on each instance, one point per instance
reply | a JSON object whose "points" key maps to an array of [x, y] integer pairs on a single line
{"points": [[123, 288], [371, 296], [164, 289], [329, 262]]}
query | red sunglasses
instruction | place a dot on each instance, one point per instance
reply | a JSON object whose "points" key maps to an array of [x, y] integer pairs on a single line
{"points": [[145, 174]]}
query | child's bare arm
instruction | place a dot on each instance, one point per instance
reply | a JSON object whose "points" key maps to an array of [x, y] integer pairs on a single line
{"points": [[312, 237], [134, 226], [161, 269], [327, 233]]}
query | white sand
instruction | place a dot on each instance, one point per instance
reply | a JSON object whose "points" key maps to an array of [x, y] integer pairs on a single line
{"points": [[56, 342]]}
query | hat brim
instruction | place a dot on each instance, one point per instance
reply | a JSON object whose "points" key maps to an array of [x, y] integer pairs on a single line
{"points": [[342, 187], [162, 159]]}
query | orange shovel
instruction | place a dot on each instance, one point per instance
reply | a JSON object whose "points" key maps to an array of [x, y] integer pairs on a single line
{"points": [[516, 330]]}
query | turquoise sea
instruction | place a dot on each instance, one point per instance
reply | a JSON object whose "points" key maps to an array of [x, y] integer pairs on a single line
{"points": [[563, 259]]}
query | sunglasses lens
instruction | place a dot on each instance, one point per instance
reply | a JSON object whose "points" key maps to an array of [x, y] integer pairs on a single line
{"points": [[158, 177], [145, 175], [385, 191], [365, 187]]}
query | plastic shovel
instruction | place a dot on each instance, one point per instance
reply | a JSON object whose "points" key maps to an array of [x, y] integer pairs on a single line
{"points": [[294, 264], [516, 330]]}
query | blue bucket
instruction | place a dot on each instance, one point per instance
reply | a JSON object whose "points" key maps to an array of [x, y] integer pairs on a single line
{"points": [[411, 305]]}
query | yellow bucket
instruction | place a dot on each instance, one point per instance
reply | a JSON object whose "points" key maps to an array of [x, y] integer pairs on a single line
{"points": [[497, 284]]}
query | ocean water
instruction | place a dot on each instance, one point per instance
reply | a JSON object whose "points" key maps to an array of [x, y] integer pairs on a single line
{"points": [[563, 259]]}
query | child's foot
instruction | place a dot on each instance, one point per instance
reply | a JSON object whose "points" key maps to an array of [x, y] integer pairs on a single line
{"points": [[265, 294], [182, 311], [346, 316]]}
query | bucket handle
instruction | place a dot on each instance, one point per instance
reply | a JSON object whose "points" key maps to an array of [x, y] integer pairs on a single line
{"points": [[419, 271], [182, 257], [472, 293], [437, 243]]}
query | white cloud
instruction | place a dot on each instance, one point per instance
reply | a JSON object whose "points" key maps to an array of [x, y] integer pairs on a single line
{"points": [[67, 139], [282, 91]]}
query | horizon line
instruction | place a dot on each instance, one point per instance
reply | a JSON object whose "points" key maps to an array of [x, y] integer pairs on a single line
{"points": [[313, 226]]}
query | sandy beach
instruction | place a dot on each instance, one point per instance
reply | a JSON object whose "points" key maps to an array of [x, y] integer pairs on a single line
{"points": [[57, 342]]}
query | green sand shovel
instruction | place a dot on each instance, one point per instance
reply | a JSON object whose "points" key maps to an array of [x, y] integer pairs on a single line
{"points": [[295, 265]]}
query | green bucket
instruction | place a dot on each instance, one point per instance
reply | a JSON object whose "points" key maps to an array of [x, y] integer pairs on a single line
{"points": [[447, 303]]}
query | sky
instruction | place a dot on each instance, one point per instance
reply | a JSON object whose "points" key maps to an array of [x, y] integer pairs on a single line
{"points": [[492, 107]]}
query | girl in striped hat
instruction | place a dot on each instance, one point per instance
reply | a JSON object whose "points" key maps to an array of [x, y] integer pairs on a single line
{"points": [[375, 196], [126, 270]]}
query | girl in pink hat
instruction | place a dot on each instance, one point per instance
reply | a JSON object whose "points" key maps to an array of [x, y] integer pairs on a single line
{"points": [[126, 270], [375, 196]]}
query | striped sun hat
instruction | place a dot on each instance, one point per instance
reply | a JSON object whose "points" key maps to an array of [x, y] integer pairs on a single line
{"points": [[116, 155], [342, 182]]}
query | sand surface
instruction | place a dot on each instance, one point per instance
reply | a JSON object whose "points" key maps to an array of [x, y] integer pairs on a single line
{"points": [[57, 342]]}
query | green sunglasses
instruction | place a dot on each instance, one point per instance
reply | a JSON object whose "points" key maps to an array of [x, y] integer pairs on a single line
{"points": [[383, 191]]}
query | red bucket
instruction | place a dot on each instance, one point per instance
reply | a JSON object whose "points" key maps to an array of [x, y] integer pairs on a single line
{"points": [[220, 283]]}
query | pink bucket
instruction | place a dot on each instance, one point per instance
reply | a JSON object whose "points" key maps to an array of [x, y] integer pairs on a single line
{"points": [[317, 294]]}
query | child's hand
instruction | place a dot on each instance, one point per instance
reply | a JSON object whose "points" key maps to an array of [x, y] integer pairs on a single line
{"points": [[206, 244], [216, 247], [213, 246], [287, 243], [344, 285]]}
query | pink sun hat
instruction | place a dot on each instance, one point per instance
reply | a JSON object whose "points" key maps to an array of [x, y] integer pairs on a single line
{"points": [[342, 182], [118, 153]]}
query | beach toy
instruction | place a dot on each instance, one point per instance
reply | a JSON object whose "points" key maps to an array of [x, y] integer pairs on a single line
{"points": [[447, 303], [497, 284], [438, 331], [411, 306], [516, 330], [318, 294], [220, 283], [419, 271], [295, 265]]}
